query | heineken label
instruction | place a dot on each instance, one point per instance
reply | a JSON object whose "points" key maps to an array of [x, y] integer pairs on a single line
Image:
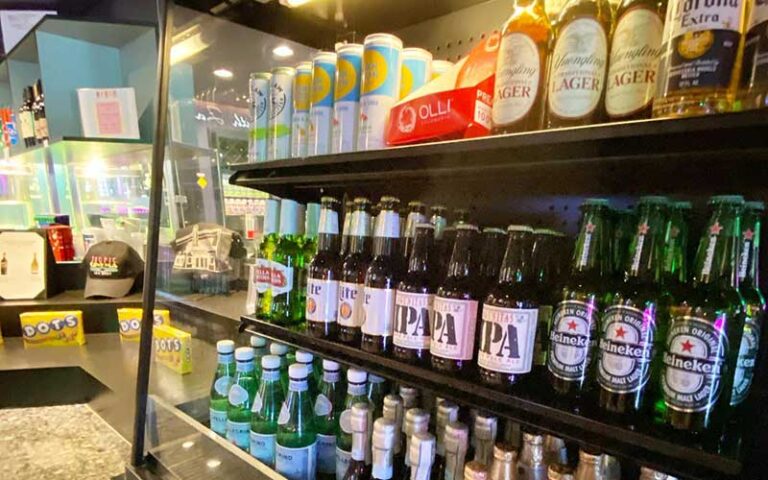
{"points": [[693, 363], [453, 329], [412, 320], [322, 300], [572, 339], [507, 338], [745, 363], [626, 348], [351, 298]]}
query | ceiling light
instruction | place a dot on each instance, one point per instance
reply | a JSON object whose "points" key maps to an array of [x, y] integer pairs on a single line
{"points": [[223, 73], [293, 3], [283, 51]]}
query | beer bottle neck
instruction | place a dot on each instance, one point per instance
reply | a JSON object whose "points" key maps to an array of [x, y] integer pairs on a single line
{"points": [[386, 235], [675, 263], [515, 267], [328, 231], [590, 256], [422, 246], [645, 250], [749, 249], [460, 264], [360, 232], [718, 249]]}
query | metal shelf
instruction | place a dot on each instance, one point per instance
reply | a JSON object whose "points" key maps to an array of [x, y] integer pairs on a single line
{"points": [[646, 443]]}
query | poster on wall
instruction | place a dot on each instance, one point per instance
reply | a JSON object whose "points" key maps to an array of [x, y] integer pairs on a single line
{"points": [[23, 265]]}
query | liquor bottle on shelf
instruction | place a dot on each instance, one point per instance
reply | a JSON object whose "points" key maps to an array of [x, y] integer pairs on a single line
{"points": [[296, 441], [578, 64], [634, 325], [376, 391], [414, 301], [475, 471], [685, 87], [416, 421], [356, 393], [323, 275], [222, 381], [455, 443], [41, 121], [707, 330], [360, 465], [353, 269], [240, 398], [417, 213], [753, 86], [493, 241], [573, 333], [589, 466], [510, 316], [287, 263], [349, 207], [264, 257], [382, 449], [393, 410], [456, 308], [27, 118], [544, 264], [381, 280], [749, 287], [266, 409], [421, 454], [634, 58], [447, 412], [531, 463], [329, 404], [484, 433], [521, 69], [504, 462]]}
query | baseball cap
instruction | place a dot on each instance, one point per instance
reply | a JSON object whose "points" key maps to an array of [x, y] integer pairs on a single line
{"points": [[112, 269]]}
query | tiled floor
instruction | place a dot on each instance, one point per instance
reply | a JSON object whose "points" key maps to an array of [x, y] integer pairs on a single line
{"points": [[59, 443]]}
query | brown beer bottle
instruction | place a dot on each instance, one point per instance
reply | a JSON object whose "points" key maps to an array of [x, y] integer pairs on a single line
{"points": [[491, 255], [417, 213], [323, 274], [352, 281], [456, 307], [578, 64], [381, 280], [349, 207]]}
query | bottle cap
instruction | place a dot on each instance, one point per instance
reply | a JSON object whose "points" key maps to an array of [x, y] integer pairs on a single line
{"points": [[755, 205], [362, 201], [727, 199], [258, 342], [533, 438], [304, 357], [416, 420], [270, 362], [596, 202], [467, 226], [475, 471], [589, 456], [330, 366], [356, 376], [375, 378], [225, 346], [447, 410], [505, 452], [422, 451], [393, 408], [410, 396], [654, 199], [244, 354], [278, 349], [415, 204], [384, 433], [486, 426], [456, 432], [557, 471], [297, 371], [520, 228], [390, 201]]}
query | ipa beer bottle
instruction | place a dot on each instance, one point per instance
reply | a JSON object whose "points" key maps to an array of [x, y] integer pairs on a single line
{"points": [[328, 407], [381, 280], [456, 307], [356, 393], [701, 346], [417, 213], [288, 262], [264, 259], [360, 421], [633, 323], [414, 300], [510, 316], [382, 449], [222, 381], [266, 409], [240, 398], [521, 69], [323, 274], [296, 441], [352, 284], [573, 333]]}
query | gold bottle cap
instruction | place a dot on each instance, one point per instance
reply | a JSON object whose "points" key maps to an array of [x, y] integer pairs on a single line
{"points": [[504, 452], [475, 471]]}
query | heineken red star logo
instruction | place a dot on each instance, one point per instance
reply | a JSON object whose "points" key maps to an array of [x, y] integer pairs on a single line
{"points": [[749, 234], [590, 227], [620, 332], [643, 229], [715, 229], [572, 325], [687, 346]]}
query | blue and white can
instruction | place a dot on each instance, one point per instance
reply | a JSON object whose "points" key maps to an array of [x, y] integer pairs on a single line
{"points": [[382, 61], [258, 86], [416, 71], [321, 112], [346, 107], [281, 110], [302, 94]]}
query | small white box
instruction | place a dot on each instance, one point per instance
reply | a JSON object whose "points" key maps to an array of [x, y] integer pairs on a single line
{"points": [[108, 112]]}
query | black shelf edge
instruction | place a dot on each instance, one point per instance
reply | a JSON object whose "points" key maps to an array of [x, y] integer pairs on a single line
{"points": [[644, 445]]}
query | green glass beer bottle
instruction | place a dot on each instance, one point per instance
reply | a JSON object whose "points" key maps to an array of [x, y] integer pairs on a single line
{"points": [[377, 390], [573, 333], [701, 347], [240, 398], [264, 258], [265, 411], [329, 404], [749, 287], [356, 393], [287, 265], [674, 270], [633, 325], [323, 275], [545, 267], [222, 381], [296, 441]]}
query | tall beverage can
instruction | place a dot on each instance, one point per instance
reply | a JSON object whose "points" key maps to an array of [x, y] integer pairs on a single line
{"points": [[302, 93], [321, 112], [281, 109], [258, 86], [382, 59], [346, 107], [416, 71]]}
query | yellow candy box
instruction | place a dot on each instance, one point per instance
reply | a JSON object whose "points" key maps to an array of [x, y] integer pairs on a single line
{"points": [[52, 329], [173, 348], [129, 320]]}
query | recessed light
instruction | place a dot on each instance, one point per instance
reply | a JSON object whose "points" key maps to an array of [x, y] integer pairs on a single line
{"points": [[223, 73], [294, 3], [213, 463], [283, 51]]}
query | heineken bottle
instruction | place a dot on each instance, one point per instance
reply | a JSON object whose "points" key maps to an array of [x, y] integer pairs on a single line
{"points": [[240, 398], [674, 276], [573, 333], [633, 323], [545, 268], [749, 287], [323, 275], [376, 391], [265, 411], [328, 407], [701, 346], [353, 269], [264, 258], [356, 393], [288, 262], [296, 441], [222, 381]]}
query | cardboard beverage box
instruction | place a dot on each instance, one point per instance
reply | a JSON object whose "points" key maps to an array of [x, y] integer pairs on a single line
{"points": [[129, 320], [173, 348], [52, 329]]}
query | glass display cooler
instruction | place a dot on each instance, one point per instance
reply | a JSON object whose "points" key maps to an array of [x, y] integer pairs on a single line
{"points": [[456, 140]]}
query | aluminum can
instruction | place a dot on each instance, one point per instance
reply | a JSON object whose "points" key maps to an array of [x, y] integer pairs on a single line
{"points": [[346, 106], [382, 61], [258, 86], [416, 71], [281, 110], [321, 111], [302, 93]]}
